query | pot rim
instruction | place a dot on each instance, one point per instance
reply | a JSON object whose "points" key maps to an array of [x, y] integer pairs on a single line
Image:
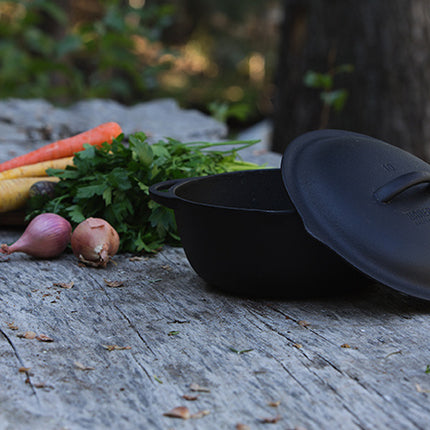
{"points": [[171, 198]]}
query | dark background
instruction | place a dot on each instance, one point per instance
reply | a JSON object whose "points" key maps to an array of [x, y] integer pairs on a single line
{"points": [[304, 64]]}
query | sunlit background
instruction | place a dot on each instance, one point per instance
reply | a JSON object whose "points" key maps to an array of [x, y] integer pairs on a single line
{"points": [[216, 56]]}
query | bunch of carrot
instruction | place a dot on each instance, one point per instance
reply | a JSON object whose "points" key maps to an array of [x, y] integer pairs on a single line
{"points": [[20, 173]]}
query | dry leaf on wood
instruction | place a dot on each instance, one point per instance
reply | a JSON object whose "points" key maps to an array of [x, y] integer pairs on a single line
{"points": [[43, 385], [115, 347], [27, 335], [421, 390], [114, 284], [12, 326], [136, 258], [64, 285], [81, 366], [271, 420], [348, 346], [178, 412], [393, 353], [304, 323], [200, 414], [44, 338], [197, 387], [190, 397]]}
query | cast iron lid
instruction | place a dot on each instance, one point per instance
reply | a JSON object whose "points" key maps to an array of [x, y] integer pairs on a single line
{"points": [[367, 200]]}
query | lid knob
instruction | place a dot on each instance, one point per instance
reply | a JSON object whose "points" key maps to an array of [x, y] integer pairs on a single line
{"points": [[391, 189]]}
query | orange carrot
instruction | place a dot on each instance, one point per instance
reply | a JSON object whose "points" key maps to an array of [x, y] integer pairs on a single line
{"points": [[66, 147]]}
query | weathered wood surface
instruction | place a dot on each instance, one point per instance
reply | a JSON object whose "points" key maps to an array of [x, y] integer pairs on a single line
{"points": [[352, 362]]}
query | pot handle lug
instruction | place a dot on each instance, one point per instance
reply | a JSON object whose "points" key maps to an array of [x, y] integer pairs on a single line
{"points": [[391, 189], [163, 192]]}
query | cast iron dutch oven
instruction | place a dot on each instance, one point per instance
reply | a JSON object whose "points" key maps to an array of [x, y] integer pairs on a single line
{"points": [[343, 209]]}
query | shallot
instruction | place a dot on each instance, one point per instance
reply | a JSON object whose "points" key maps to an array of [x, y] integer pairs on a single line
{"points": [[94, 241], [46, 236]]}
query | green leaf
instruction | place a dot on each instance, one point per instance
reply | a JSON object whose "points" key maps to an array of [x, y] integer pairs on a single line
{"points": [[75, 214], [89, 152], [144, 187], [68, 44], [344, 68], [162, 219], [159, 150], [322, 81], [107, 196], [142, 152], [91, 191], [118, 178], [53, 9], [335, 99]]}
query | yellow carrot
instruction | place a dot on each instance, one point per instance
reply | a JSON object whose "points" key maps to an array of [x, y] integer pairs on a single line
{"points": [[14, 193], [37, 169]]}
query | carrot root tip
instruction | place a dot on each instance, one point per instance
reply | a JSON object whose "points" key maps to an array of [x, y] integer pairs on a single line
{"points": [[4, 249]]}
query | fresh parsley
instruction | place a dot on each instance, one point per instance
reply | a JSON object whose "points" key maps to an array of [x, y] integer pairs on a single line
{"points": [[112, 183]]}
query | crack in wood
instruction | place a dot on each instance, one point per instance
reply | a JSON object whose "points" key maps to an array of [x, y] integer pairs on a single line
{"points": [[291, 374], [131, 324], [21, 363], [279, 333], [134, 328], [124, 316], [358, 420], [334, 390], [370, 388]]}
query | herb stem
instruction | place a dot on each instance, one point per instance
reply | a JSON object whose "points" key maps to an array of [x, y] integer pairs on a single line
{"points": [[243, 144]]}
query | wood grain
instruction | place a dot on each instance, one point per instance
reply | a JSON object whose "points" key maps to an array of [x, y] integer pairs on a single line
{"points": [[354, 362]]}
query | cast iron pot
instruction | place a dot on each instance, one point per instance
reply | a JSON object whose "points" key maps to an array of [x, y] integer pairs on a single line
{"points": [[242, 234]]}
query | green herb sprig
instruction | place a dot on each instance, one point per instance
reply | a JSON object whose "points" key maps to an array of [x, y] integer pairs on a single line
{"points": [[112, 182]]}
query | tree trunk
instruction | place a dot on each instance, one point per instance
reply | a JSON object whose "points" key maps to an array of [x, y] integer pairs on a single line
{"points": [[386, 41]]}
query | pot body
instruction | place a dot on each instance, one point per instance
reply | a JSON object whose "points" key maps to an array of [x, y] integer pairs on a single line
{"points": [[242, 234]]}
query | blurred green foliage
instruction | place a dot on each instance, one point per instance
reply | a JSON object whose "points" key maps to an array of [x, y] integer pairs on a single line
{"points": [[44, 54], [331, 97], [217, 56], [335, 98]]}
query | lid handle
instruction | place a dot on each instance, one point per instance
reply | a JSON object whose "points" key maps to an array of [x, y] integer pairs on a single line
{"points": [[391, 189]]}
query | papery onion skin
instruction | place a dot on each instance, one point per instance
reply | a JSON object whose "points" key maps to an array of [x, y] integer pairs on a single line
{"points": [[46, 236], [94, 242]]}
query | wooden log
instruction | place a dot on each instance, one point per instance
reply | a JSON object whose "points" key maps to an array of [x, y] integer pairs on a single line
{"points": [[125, 354]]}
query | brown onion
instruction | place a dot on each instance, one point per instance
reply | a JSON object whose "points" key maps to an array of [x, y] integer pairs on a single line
{"points": [[94, 241], [46, 236]]}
